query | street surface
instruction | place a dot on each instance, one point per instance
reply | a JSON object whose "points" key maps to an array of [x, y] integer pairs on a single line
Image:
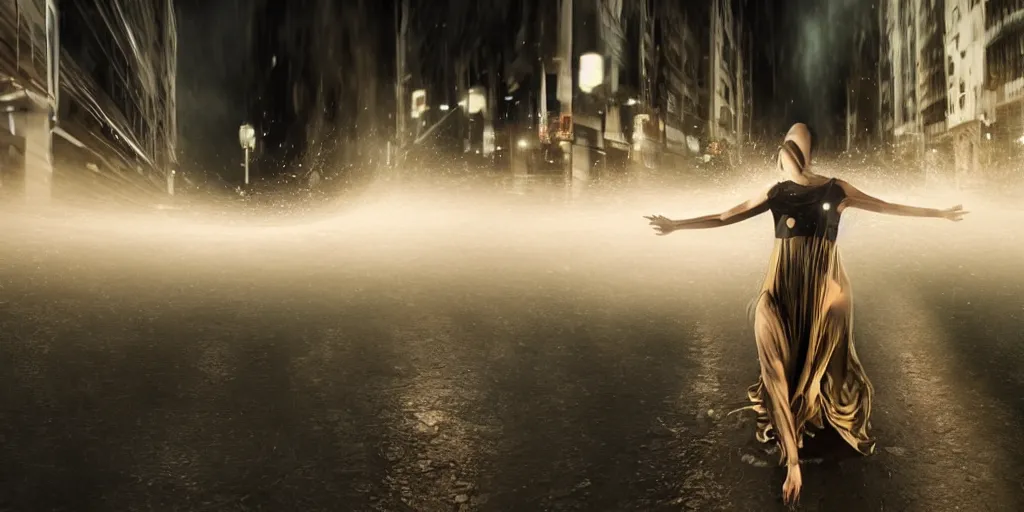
{"points": [[468, 353]]}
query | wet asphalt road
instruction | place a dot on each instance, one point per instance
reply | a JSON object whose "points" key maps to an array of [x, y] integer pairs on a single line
{"points": [[508, 368]]}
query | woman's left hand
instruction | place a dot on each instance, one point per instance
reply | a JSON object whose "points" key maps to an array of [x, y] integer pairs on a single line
{"points": [[662, 225]]}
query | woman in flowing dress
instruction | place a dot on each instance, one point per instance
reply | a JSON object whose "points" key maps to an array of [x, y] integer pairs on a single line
{"points": [[803, 319]]}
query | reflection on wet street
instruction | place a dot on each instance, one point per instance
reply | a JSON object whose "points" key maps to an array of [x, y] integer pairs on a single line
{"points": [[485, 361]]}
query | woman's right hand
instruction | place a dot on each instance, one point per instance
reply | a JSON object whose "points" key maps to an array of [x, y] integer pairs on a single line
{"points": [[662, 225]]}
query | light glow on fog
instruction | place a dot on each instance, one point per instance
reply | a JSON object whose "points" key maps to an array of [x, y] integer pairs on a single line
{"points": [[485, 233]]}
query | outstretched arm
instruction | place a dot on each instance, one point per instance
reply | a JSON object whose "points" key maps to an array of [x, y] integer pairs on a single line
{"points": [[739, 213], [857, 199]]}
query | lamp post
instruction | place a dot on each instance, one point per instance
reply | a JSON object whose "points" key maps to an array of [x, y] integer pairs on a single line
{"points": [[247, 139], [591, 71]]}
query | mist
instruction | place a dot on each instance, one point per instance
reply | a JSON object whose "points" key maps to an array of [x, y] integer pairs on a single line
{"points": [[438, 225], [822, 35]]}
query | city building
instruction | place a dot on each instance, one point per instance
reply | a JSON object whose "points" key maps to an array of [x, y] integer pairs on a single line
{"points": [[931, 79], [969, 93], [913, 84], [28, 95], [888, 64], [90, 92], [900, 29], [965, 79], [685, 39], [728, 117], [1003, 103], [704, 77]]}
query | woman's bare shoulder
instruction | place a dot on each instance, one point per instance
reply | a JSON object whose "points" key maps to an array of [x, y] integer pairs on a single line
{"points": [[771, 191], [845, 185]]}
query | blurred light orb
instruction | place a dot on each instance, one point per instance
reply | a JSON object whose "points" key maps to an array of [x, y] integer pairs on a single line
{"points": [[477, 100], [591, 71]]}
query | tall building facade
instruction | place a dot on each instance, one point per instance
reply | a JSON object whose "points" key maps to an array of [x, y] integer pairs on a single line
{"points": [[899, 29], [913, 70], [727, 109], [913, 92], [965, 79], [912, 78], [704, 76], [29, 92], [888, 66], [94, 85], [1003, 102], [931, 80], [684, 38], [966, 59]]}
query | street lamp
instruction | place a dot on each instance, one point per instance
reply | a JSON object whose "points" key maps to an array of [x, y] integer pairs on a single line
{"points": [[591, 71], [247, 139], [419, 103], [170, 182], [476, 100]]}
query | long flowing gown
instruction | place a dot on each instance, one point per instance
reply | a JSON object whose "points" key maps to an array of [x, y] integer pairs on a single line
{"points": [[823, 379]]}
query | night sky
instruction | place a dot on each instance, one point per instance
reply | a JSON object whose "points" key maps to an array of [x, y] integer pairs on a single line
{"points": [[811, 39]]}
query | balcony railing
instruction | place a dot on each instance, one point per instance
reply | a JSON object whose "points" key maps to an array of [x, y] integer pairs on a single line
{"points": [[998, 23]]}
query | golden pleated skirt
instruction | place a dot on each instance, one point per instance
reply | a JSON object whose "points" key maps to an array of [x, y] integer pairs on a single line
{"points": [[823, 380]]}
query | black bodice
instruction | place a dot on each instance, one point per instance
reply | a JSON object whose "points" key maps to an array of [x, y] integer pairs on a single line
{"points": [[801, 210]]}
